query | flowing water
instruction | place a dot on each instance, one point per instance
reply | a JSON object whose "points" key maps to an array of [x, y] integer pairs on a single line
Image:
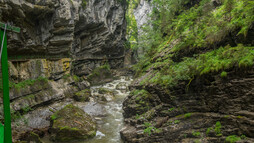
{"points": [[108, 113], [110, 125]]}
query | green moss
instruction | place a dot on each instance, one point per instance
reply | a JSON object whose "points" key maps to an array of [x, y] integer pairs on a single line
{"points": [[232, 139], [76, 78], [71, 123], [171, 109], [68, 128], [187, 115], [177, 121], [105, 91], [239, 117], [82, 95], [223, 74], [33, 137], [100, 74], [197, 141], [27, 83], [25, 109]]}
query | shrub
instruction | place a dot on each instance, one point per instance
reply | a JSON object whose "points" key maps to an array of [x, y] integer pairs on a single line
{"points": [[232, 139]]}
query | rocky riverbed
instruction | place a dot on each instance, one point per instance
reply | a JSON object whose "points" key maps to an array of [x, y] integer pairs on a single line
{"points": [[104, 106]]}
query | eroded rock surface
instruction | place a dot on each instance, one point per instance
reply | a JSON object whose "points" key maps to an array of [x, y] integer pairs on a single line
{"points": [[87, 30], [212, 109]]}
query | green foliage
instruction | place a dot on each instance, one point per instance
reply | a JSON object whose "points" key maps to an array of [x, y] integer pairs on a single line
{"points": [[171, 109], [200, 25], [132, 29], [185, 25], [150, 128], [141, 92], [217, 128], [232, 139], [169, 73], [208, 131], [137, 116], [84, 3], [15, 115], [25, 120], [243, 137], [223, 74], [53, 117], [196, 134]]}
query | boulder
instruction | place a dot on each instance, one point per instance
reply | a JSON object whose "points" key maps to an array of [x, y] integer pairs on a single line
{"points": [[100, 75], [72, 123], [82, 95]]}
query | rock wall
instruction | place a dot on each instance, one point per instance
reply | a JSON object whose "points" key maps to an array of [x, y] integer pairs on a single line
{"points": [[33, 69], [59, 39], [141, 14], [210, 109], [85, 30]]}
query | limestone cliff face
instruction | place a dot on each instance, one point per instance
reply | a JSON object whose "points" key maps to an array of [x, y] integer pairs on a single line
{"points": [[142, 18], [142, 12], [86, 30]]}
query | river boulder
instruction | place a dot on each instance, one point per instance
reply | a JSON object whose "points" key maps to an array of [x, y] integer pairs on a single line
{"points": [[72, 123]]}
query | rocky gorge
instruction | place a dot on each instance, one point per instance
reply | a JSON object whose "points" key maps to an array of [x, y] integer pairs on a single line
{"points": [[73, 79]]}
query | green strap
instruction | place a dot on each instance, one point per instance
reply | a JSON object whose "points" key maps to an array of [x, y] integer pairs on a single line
{"points": [[6, 98]]}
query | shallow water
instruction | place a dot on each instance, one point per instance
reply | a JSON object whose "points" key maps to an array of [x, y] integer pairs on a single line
{"points": [[111, 123]]}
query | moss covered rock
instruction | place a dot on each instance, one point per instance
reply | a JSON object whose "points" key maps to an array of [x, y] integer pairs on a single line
{"points": [[72, 123], [100, 75], [82, 95]]}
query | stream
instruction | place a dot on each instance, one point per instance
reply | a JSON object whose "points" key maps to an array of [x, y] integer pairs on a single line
{"points": [[110, 125], [106, 107]]}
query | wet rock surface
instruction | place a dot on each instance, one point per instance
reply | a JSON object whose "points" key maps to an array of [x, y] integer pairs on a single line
{"points": [[82, 95], [213, 109], [95, 109]]}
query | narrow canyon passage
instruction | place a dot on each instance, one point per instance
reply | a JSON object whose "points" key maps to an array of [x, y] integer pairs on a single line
{"points": [[128, 71], [107, 112]]}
